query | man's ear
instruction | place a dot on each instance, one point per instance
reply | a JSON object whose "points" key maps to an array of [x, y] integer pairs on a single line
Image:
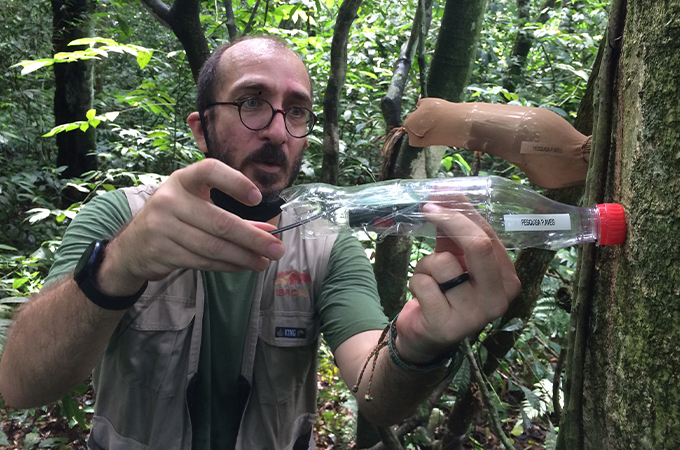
{"points": [[194, 121]]}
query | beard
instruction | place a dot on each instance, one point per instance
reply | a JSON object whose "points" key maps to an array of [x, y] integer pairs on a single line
{"points": [[270, 184]]}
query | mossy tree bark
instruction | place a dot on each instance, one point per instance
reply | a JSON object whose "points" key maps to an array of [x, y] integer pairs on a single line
{"points": [[624, 368]]}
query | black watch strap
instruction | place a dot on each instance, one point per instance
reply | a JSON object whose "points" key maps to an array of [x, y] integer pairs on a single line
{"points": [[86, 276]]}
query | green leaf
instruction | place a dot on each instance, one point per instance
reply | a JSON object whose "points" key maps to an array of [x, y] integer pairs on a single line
{"points": [[73, 412], [35, 65], [80, 187], [84, 126], [143, 58], [38, 214], [368, 74], [514, 325], [31, 440], [461, 381], [111, 116], [51, 442], [531, 398], [3, 436], [551, 438], [7, 247], [518, 429], [11, 300], [90, 114], [19, 282]]}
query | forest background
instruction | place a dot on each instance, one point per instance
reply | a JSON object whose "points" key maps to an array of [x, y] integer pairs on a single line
{"points": [[130, 86]]}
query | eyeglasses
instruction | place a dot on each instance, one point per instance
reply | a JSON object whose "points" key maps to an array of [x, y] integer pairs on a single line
{"points": [[257, 114]]}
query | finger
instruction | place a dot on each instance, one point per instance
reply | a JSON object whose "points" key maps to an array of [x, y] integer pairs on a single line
{"points": [[433, 270], [207, 252], [442, 266], [264, 226], [210, 173], [213, 221], [479, 249], [461, 204]]}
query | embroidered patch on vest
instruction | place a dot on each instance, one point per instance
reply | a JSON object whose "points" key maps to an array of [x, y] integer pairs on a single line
{"points": [[288, 278], [293, 333]]}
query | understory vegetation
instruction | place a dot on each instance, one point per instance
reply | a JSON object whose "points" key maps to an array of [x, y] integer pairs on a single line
{"points": [[144, 90]]}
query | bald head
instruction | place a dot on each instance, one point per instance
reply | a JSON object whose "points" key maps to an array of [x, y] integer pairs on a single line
{"points": [[216, 69]]}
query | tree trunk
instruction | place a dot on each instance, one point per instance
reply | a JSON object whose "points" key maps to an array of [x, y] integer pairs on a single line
{"points": [[630, 391], [183, 18], [531, 265], [456, 49], [73, 93], [523, 42], [231, 21], [336, 79]]}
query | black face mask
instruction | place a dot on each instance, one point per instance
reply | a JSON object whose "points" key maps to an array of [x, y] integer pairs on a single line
{"points": [[260, 213]]}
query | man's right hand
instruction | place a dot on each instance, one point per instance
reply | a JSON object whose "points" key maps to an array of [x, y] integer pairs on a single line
{"points": [[179, 227]]}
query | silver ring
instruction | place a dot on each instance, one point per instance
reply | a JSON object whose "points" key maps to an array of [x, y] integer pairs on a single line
{"points": [[453, 282]]}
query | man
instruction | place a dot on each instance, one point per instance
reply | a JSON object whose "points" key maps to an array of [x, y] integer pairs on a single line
{"points": [[223, 355]]}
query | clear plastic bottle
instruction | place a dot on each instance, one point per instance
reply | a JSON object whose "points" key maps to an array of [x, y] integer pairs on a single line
{"points": [[519, 216]]}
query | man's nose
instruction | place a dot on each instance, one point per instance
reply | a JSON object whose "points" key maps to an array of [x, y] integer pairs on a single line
{"points": [[276, 131]]}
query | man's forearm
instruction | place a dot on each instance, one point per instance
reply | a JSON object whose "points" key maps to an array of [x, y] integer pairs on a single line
{"points": [[54, 343], [396, 392]]}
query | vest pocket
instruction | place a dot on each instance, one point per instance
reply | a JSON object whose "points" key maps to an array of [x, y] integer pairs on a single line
{"points": [[286, 356], [155, 336]]}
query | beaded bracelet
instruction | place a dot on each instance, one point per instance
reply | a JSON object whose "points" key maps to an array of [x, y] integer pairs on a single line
{"points": [[389, 334], [414, 367]]}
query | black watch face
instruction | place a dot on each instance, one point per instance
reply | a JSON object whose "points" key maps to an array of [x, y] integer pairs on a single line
{"points": [[81, 268]]}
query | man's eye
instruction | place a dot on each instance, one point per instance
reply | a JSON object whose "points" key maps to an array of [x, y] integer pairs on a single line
{"points": [[253, 103], [297, 112]]}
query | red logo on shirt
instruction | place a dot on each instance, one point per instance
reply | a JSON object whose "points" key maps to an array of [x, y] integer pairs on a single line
{"points": [[291, 278]]}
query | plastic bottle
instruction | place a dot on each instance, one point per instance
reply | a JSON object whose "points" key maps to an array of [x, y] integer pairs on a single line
{"points": [[519, 216]]}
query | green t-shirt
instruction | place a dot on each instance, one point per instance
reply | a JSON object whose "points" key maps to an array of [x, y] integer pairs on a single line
{"points": [[348, 304]]}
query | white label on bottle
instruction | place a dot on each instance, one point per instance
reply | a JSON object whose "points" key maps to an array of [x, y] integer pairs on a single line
{"points": [[537, 222], [538, 148]]}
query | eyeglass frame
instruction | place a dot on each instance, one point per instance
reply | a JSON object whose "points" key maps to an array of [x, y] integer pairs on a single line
{"points": [[284, 112]]}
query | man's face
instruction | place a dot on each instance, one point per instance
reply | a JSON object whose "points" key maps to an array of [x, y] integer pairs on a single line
{"points": [[271, 157]]}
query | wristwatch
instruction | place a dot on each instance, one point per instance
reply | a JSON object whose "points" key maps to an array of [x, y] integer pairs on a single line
{"points": [[85, 275]]}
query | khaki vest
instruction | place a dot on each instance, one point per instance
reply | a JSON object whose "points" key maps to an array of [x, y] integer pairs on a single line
{"points": [[142, 379]]}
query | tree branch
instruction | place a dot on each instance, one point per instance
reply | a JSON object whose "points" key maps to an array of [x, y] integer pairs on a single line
{"points": [[231, 21], [183, 18], [336, 79], [390, 105], [389, 439], [246, 30], [420, 417], [159, 10], [481, 382]]}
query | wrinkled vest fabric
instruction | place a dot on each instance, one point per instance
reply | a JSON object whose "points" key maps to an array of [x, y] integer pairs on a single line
{"points": [[142, 379]]}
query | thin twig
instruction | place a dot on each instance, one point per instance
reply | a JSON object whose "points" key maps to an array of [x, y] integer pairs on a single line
{"points": [[493, 414], [246, 30], [552, 71]]}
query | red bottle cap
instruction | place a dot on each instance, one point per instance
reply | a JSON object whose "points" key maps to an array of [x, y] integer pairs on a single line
{"points": [[612, 224]]}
